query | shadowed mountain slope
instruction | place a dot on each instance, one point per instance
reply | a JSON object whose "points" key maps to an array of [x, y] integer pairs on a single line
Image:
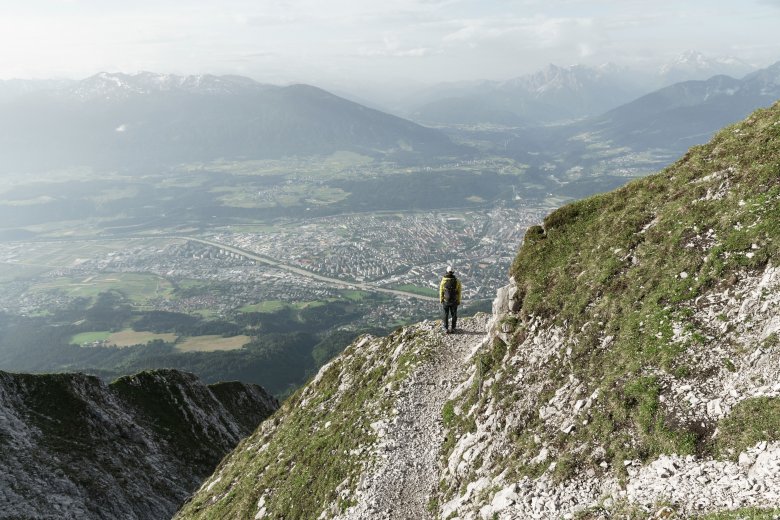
{"points": [[73, 447]]}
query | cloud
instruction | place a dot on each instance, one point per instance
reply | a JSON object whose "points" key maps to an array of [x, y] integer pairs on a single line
{"points": [[530, 33], [268, 19], [416, 52], [393, 46], [426, 39]]}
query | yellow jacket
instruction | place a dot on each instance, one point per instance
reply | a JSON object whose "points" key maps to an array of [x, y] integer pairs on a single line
{"points": [[457, 287]]}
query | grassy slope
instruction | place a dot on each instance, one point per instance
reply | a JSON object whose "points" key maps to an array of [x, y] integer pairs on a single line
{"points": [[620, 264], [313, 448]]}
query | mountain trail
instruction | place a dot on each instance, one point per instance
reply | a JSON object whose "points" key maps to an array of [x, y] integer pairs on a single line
{"points": [[406, 472]]}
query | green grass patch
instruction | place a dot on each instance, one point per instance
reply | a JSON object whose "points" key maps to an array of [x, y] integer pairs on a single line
{"points": [[448, 414], [123, 338], [285, 195], [267, 306], [749, 513], [750, 421], [342, 159], [356, 296], [130, 337], [416, 289]]}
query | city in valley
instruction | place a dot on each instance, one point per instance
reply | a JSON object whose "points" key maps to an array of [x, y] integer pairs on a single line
{"points": [[397, 256]]}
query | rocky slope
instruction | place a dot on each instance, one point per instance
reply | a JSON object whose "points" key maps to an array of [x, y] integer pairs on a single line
{"points": [[74, 447], [629, 370]]}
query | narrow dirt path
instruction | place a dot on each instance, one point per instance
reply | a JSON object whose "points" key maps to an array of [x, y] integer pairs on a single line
{"points": [[400, 485]]}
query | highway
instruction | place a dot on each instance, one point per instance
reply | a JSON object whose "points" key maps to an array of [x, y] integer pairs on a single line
{"points": [[303, 272], [259, 258]]}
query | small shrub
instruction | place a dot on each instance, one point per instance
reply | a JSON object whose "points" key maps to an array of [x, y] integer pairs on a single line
{"points": [[448, 414], [534, 234], [749, 513]]}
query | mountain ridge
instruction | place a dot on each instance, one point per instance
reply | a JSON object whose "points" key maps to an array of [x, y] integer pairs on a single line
{"points": [[117, 84], [135, 121], [552, 94], [685, 113], [75, 447], [694, 65]]}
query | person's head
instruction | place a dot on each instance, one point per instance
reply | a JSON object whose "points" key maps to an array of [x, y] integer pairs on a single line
{"points": [[450, 270]]}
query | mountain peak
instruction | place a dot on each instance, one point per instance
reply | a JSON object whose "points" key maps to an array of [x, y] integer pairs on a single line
{"points": [[126, 120], [121, 85], [693, 65]]}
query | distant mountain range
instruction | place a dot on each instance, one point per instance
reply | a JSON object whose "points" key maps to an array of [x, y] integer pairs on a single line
{"points": [[684, 114], [553, 94], [693, 65], [559, 94], [136, 121], [127, 120]]}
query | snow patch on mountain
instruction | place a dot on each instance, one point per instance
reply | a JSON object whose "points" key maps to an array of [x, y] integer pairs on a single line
{"points": [[116, 85], [693, 65]]}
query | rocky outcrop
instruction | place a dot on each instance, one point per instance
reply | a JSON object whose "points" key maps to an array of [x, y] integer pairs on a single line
{"points": [[477, 465], [73, 447]]}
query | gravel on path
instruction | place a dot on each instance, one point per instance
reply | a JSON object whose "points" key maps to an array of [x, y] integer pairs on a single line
{"points": [[405, 477]]}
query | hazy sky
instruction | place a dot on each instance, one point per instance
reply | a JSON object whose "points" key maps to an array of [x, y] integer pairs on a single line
{"points": [[339, 41]]}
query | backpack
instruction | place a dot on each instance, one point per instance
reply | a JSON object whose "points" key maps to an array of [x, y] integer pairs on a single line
{"points": [[451, 290]]}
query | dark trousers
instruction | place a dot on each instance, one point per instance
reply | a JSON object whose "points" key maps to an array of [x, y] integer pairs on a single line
{"points": [[449, 309]]}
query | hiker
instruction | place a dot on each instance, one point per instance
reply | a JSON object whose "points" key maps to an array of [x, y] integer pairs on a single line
{"points": [[449, 296]]}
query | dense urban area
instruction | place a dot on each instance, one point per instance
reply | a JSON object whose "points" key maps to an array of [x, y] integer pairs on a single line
{"points": [[408, 252]]}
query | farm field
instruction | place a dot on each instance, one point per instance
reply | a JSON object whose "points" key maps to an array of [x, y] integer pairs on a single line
{"points": [[425, 291], [212, 343], [137, 287]]}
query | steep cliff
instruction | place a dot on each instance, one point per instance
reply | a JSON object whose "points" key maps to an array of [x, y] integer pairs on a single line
{"points": [[629, 369], [74, 447]]}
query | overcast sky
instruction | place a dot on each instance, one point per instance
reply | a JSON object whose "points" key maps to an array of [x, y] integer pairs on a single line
{"points": [[332, 41]]}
